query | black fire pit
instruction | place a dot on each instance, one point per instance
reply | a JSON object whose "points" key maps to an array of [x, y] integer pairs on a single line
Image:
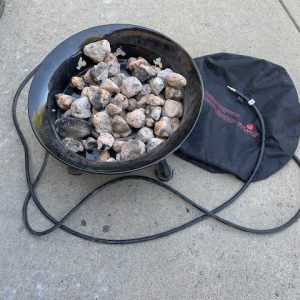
{"points": [[59, 66]]}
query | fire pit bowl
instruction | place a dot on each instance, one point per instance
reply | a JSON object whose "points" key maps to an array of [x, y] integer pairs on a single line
{"points": [[54, 73]]}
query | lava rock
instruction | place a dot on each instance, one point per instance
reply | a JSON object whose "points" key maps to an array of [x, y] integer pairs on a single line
{"points": [[171, 93], [131, 86], [132, 104], [77, 82], [157, 85], [99, 73], [176, 80], [172, 109], [119, 127], [71, 127], [89, 144], [64, 101], [113, 109], [102, 122], [73, 145], [136, 118], [110, 86], [132, 149], [105, 141], [153, 143], [153, 112], [145, 134], [97, 50], [84, 92], [163, 127], [81, 108], [117, 146]]}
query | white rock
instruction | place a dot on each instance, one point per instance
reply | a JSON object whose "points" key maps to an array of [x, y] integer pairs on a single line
{"points": [[73, 145], [97, 50], [153, 143], [81, 108], [105, 141], [136, 118], [172, 109], [131, 86], [102, 122], [145, 134]]}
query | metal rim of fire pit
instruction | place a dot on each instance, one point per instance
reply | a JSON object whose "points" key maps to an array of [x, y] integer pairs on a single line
{"points": [[41, 102]]}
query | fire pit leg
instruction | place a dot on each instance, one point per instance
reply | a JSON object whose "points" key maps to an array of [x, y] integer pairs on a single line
{"points": [[163, 171], [74, 171]]}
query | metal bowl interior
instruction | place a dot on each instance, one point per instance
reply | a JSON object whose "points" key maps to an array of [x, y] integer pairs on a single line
{"points": [[59, 66]]}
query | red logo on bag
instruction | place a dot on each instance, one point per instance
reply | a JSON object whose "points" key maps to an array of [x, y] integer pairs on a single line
{"points": [[250, 126]]}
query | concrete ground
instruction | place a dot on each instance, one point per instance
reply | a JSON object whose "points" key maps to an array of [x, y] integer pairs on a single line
{"points": [[207, 261]]}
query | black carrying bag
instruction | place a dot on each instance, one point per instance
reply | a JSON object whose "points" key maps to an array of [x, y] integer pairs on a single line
{"points": [[226, 137]]}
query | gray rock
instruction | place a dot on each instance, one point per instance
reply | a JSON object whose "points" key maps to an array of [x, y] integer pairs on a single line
{"points": [[113, 109], [71, 127], [145, 134], [97, 50], [149, 122], [89, 144], [153, 100], [175, 123], [146, 90], [102, 122], [98, 97], [153, 112], [110, 86], [132, 149], [172, 93], [111, 160], [164, 73], [134, 63], [153, 143], [88, 79], [118, 79], [117, 146], [81, 108], [163, 127], [64, 101], [102, 156], [113, 65], [136, 118], [176, 80], [119, 127], [105, 141], [120, 100], [99, 72], [131, 86], [172, 109], [132, 104], [77, 82], [73, 145], [157, 84], [143, 72]]}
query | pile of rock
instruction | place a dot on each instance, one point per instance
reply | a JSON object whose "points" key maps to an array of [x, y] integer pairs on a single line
{"points": [[120, 116]]}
